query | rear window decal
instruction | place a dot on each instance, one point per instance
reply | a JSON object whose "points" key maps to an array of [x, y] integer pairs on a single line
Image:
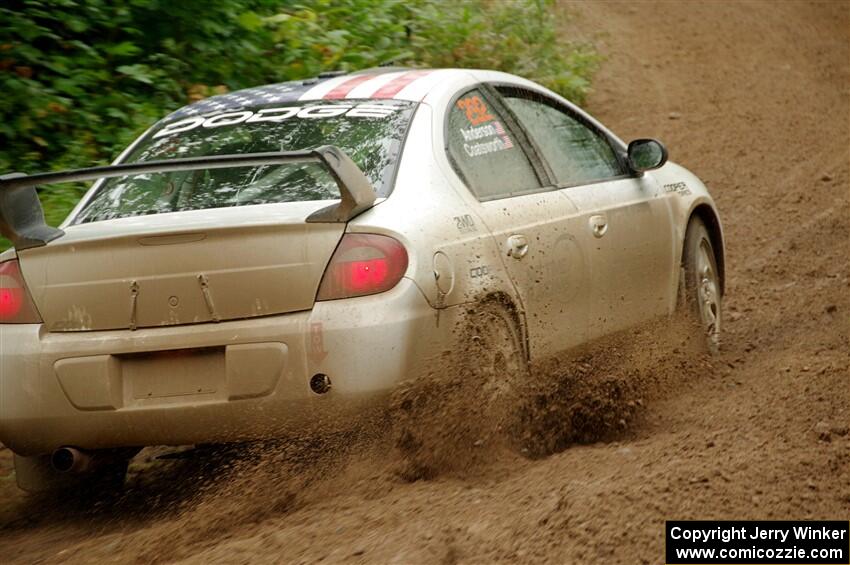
{"points": [[476, 110], [487, 147], [278, 114], [477, 114]]}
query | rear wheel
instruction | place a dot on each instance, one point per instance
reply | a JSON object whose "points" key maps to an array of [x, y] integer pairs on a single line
{"points": [[701, 284], [469, 402], [496, 357]]}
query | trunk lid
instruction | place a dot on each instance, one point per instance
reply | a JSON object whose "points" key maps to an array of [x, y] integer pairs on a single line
{"points": [[181, 268]]}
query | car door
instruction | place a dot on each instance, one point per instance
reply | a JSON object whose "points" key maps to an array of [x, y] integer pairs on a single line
{"points": [[534, 224], [627, 224]]}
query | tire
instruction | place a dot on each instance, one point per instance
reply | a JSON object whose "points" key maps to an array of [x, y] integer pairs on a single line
{"points": [[441, 420], [496, 359], [701, 296]]}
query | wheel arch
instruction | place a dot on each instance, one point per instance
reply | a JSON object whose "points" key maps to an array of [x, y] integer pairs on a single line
{"points": [[708, 215]]}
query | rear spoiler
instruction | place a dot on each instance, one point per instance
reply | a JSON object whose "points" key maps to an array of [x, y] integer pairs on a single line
{"points": [[22, 217]]}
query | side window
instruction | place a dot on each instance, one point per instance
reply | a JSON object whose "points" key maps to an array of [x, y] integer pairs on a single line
{"points": [[576, 153], [487, 154]]}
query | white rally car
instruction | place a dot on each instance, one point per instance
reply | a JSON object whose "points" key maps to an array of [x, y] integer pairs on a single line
{"points": [[277, 259]]}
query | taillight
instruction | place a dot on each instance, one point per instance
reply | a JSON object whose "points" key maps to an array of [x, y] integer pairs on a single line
{"points": [[16, 306], [362, 264]]}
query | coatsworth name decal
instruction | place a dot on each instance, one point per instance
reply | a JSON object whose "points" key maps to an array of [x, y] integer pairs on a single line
{"points": [[498, 139]]}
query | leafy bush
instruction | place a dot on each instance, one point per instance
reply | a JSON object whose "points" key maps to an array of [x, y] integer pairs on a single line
{"points": [[82, 78]]}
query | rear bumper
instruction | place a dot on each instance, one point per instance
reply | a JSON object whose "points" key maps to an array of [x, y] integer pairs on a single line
{"points": [[243, 380]]}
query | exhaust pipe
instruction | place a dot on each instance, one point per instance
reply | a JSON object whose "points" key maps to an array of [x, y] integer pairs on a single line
{"points": [[320, 383], [71, 460]]}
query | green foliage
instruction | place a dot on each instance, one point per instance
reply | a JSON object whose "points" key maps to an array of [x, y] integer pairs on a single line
{"points": [[82, 78], [518, 37]]}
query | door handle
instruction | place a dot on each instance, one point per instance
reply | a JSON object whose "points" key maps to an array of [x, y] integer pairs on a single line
{"points": [[598, 225], [517, 246]]}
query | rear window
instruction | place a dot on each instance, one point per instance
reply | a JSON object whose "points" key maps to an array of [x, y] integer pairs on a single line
{"points": [[371, 132]]}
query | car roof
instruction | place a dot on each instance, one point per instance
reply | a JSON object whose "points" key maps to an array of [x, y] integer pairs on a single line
{"points": [[379, 83]]}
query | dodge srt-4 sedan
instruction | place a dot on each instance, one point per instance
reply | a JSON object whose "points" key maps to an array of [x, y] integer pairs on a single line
{"points": [[277, 259]]}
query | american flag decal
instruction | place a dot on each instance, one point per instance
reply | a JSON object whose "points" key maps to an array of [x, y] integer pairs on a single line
{"points": [[500, 130]]}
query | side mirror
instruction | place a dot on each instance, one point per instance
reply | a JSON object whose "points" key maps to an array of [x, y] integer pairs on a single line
{"points": [[646, 155]]}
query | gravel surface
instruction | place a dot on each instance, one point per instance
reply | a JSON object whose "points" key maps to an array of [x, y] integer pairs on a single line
{"points": [[751, 96]]}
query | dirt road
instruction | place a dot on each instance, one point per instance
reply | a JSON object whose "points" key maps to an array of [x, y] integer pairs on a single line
{"points": [[753, 97]]}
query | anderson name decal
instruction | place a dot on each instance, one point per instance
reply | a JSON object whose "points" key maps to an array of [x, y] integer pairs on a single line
{"points": [[494, 130]]}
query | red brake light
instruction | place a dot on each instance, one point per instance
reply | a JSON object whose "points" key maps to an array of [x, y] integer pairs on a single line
{"points": [[362, 264], [16, 306]]}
